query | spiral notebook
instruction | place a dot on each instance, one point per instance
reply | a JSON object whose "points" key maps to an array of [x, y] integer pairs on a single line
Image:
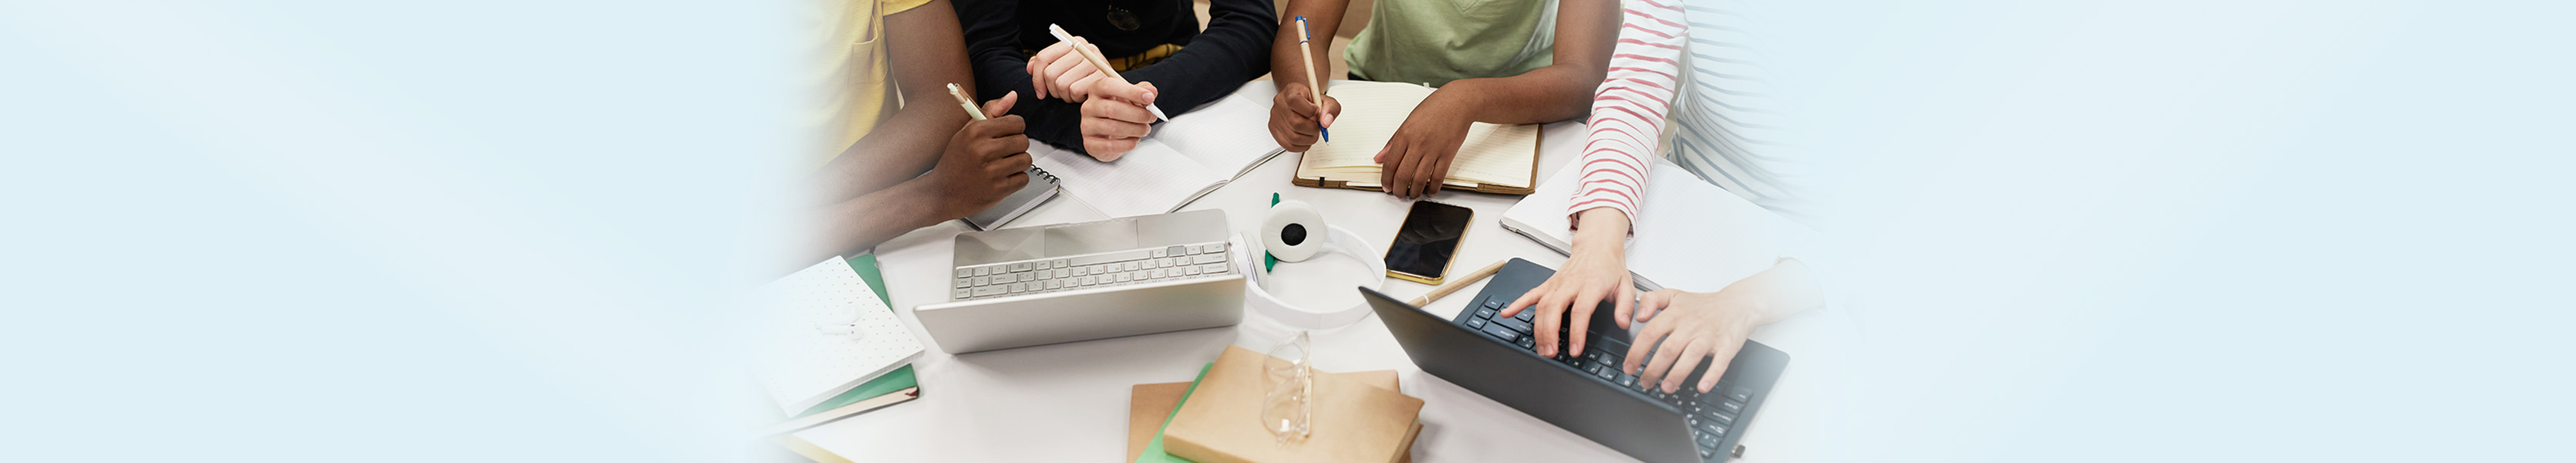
{"points": [[1042, 186]]}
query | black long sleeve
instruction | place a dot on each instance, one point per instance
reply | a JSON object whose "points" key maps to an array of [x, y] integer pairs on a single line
{"points": [[1233, 50]]}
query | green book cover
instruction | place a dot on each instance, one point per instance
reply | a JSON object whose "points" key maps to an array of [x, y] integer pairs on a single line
{"points": [[1154, 450], [900, 378], [866, 265]]}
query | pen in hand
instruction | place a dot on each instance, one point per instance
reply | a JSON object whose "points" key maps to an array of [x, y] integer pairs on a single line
{"points": [[964, 102], [1098, 62], [1316, 82]]}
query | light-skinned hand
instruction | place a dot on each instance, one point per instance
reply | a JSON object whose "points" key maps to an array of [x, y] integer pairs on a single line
{"points": [[1294, 118], [1114, 121], [1686, 327], [986, 161], [1059, 72], [1597, 271]]}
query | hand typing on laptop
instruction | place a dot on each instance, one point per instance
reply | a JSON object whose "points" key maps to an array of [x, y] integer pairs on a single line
{"points": [[1597, 271], [1681, 327]]}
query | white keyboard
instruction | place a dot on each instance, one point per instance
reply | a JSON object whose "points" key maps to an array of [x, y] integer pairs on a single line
{"points": [[1090, 271]]}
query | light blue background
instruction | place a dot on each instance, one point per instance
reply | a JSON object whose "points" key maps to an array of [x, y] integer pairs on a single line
{"points": [[508, 231]]}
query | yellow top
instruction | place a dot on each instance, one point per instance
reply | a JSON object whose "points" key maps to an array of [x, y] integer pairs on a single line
{"points": [[855, 90]]}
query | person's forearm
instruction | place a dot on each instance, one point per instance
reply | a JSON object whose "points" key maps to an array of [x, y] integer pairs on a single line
{"points": [[1775, 294], [865, 221], [926, 55], [905, 145], [1548, 94], [1287, 65]]}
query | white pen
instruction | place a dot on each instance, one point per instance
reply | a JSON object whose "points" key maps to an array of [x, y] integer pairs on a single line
{"points": [[962, 101], [1098, 62]]}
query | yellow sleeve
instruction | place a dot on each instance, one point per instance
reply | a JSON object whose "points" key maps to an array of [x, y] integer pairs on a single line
{"points": [[899, 6]]}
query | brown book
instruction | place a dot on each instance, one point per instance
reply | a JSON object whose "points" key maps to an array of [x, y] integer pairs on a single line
{"points": [[1353, 420], [1152, 403]]}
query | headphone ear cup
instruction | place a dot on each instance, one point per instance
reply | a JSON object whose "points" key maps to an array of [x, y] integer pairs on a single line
{"points": [[1294, 231]]}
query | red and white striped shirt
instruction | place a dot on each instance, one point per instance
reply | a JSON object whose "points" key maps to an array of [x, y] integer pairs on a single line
{"points": [[1628, 109]]}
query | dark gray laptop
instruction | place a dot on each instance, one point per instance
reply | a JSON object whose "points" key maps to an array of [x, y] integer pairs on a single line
{"points": [[1586, 394]]}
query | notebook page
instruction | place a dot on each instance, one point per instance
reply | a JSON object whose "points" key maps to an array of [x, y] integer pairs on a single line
{"points": [[1498, 155], [1153, 179], [1371, 111], [1229, 135]]}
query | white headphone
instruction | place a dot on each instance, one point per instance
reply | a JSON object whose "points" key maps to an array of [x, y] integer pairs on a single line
{"points": [[1295, 232]]}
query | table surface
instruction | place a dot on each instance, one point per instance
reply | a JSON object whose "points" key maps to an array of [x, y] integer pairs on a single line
{"points": [[1068, 402]]}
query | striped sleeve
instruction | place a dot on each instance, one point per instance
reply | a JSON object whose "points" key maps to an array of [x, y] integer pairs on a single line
{"points": [[1628, 109]]}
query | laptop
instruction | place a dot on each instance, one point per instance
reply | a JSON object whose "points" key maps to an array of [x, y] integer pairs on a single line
{"points": [[1586, 394], [1029, 286]]}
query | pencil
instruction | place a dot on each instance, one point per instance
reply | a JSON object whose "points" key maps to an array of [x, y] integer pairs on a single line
{"points": [[1317, 82], [964, 102], [1098, 62], [1461, 282]]}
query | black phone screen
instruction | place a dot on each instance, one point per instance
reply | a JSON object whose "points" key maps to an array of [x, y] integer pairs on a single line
{"points": [[1428, 239]]}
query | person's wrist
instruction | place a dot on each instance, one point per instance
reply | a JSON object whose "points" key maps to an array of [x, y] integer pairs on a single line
{"points": [[1601, 227], [926, 189]]}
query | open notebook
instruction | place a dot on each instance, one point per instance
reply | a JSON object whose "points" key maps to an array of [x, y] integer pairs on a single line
{"points": [[1183, 159], [1494, 159]]}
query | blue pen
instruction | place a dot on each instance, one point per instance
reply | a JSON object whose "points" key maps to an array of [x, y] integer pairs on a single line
{"points": [[1318, 91]]}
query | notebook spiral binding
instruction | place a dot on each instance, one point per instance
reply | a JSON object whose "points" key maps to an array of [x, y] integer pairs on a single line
{"points": [[1038, 172]]}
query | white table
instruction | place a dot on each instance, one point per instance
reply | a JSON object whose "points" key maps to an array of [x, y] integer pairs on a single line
{"points": [[1068, 402]]}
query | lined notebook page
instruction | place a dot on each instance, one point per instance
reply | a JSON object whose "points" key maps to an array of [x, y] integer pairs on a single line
{"points": [[1229, 135], [1497, 154], [1371, 111], [1153, 179]]}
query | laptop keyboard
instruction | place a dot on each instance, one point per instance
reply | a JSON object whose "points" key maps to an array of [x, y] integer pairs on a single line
{"points": [[1711, 415], [1038, 276]]}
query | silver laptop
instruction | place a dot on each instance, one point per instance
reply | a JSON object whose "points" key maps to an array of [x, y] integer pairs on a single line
{"points": [[1073, 282]]}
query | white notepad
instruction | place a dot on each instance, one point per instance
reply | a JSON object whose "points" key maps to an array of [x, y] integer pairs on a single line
{"points": [[1690, 235], [822, 331], [1184, 159]]}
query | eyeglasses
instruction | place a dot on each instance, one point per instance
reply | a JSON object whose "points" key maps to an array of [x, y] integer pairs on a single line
{"points": [[1289, 407]]}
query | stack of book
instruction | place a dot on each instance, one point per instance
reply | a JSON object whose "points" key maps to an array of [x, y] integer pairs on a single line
{"points": [[819, 362], [1360, 416]]}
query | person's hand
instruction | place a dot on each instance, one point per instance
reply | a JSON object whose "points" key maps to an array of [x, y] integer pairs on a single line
{"points": [[1114, 122], [986, 161], [1597, 271], [1685, 327], [1060, 72], [1416, 160], [1294, 118]]}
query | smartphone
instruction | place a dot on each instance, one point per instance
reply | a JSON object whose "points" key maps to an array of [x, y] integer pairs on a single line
{"points": [[1429, 238]]}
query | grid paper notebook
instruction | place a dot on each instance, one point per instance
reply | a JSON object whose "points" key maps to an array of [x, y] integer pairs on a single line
{"points": [[822, 331]]}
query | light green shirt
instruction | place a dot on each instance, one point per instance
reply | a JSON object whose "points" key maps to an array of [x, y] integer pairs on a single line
{"points": [[1437, 41]]}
